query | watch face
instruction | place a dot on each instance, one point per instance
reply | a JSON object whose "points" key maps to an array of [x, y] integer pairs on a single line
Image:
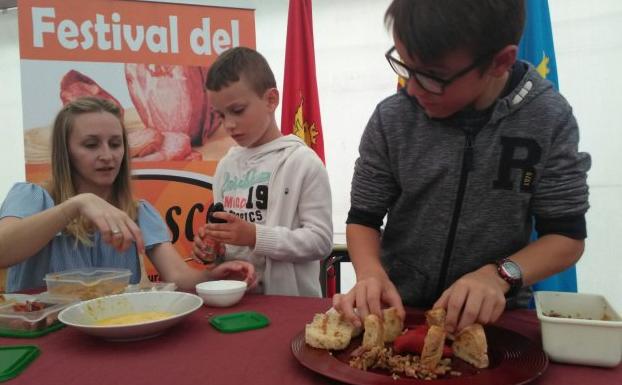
{"points": [[511, 269]]}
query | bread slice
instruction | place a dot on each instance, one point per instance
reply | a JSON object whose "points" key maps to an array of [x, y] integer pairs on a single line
{"points": [[393, 324], [374, 332], [433, 347], [356, 330], [329, 331], [470, 345], [436, 317]]}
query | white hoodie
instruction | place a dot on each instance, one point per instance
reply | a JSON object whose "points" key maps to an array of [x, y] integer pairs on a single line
{"points": [[298, 230]]}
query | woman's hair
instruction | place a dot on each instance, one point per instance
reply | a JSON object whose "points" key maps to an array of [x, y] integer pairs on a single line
{"points": [[61, 186]]}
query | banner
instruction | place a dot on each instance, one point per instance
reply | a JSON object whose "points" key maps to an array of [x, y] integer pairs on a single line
{"points": [[151, 59], [301, 107], [537, 47]]}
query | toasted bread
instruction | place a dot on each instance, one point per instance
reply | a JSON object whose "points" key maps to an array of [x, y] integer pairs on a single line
{"points": [[470, 345], [393, 324], [374, 332], [433, 347], [356, 330], [329, 331], [436, 317]]}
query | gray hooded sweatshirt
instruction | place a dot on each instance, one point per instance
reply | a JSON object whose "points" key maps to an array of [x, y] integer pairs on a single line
{"points": [[456, 196]]}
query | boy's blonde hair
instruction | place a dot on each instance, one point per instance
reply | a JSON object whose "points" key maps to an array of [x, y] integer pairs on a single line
{"points": [[61, 186], [237, 62]]}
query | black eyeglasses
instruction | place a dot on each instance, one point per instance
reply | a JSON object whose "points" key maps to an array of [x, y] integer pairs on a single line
{"points": [[428, 82]]}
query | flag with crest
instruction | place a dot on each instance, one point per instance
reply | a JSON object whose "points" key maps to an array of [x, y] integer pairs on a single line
{"points": [[536, 47], [300, 108]]}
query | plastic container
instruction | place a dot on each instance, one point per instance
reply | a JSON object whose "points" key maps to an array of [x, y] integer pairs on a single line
{"points": [[579, 328], [13, 320], [239, 322], [221, 293], [87, 283]]}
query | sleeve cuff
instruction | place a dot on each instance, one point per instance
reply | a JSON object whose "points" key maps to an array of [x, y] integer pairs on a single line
{"points": [[573, 226], [364, 218]]}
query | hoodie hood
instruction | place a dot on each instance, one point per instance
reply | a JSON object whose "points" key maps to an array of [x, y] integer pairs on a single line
{"points": [[253, 155]]}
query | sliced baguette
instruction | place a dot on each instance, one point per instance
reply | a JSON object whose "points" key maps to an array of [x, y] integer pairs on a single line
{"points": [[470, 345], [374, 332], [433, 347], [392, 324], [329, 331]]}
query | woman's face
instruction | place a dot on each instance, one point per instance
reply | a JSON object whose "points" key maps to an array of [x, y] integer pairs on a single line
{"points": [[96, 152]]}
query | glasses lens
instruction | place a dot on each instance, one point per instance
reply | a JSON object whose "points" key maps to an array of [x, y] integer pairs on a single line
{"points": [[399, 68], [429, 84]]}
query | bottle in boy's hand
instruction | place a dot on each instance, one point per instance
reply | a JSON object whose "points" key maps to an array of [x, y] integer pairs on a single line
{"points": [[212, 209]]}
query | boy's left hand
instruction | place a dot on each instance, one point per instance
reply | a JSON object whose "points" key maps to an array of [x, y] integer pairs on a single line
{"points": [[478, 296], [235, 232]]}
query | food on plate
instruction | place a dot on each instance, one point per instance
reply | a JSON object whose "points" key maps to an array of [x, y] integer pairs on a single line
{"points": [[329, 331], [392, 325], [470, 345], [75, 84], [373, 336], [144, 142], [134, 318], [433, 344], [2, 299]]}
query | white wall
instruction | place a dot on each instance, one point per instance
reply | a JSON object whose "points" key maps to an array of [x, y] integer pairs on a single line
{"points": [[350, 41]]}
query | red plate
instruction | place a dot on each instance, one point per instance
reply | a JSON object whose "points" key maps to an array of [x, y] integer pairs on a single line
{"points": [[514, 359]]}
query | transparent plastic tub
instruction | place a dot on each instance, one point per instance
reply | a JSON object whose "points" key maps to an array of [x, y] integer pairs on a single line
{"points": [[23, 314], [87, 283], [579, 328]]}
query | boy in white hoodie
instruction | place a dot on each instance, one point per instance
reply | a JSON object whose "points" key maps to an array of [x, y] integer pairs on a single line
{"points": [[274, 189]]}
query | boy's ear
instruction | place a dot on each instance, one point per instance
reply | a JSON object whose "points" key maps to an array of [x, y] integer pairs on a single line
{"points": [[503, 60], [272, 98]]}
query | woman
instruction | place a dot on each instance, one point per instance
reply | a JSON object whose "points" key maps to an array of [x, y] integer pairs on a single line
{"points": [[85, 216]]}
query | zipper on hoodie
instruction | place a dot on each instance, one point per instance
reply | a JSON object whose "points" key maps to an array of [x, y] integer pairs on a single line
{"points": [[467, 166]]}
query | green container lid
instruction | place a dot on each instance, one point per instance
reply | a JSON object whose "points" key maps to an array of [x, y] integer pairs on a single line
{"points": [[31, 333], [239, 322], [14, 359]]}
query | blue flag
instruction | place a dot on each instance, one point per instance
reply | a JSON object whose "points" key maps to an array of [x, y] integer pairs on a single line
{"points": [[536, 47]]}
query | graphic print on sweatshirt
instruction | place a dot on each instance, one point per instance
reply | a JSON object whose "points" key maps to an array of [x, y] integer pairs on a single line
{"points": [[246, 194]]}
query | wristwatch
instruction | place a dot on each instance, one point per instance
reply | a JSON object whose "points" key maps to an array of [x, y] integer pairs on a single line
{"points": [[512, 274]]}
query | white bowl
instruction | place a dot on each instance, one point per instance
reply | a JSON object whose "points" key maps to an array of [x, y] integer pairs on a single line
{"points": [[221, 293], [579, 328], [84, 315]]}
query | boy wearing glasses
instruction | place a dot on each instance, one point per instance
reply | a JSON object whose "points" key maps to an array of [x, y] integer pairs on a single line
{"points": [[460, 160]]}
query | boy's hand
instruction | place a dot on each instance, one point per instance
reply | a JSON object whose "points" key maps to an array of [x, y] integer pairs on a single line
{"points": [[367, 296], [236, 270], [478, 296], [235, 232], [205, 249]]}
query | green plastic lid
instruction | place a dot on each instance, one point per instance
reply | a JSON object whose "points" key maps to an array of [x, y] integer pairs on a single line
{"points": [[239, 322], [31, 333], [14, 359]]}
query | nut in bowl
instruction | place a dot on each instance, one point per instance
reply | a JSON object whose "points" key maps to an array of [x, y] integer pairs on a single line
{"points": [[222, 293], [130, 316], [579, 328]]}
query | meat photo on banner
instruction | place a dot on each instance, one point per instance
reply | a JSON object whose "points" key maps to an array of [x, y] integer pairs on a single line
{"points": [[151, 59]]}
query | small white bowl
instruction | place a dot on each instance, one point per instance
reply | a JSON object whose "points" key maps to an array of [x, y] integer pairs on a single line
{"points": [[221, 293]]}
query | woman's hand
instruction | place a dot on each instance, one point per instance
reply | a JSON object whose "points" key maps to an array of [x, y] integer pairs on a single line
{"points": [[367, 296], [478, 296], [235, 232], [236, 270], [116, 227]]}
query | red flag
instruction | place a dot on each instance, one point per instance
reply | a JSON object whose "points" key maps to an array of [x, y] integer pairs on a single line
{"points": [[301, 109]]}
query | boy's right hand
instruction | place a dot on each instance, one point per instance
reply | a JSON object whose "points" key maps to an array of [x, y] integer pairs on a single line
{"points": [[368, 296], [205, 249]]}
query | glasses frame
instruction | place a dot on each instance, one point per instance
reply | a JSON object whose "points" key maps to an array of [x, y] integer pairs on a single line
{"points": [[416, 74]]}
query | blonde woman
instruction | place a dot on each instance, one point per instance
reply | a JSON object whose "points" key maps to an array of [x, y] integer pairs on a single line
{"points": [[85, 216]]}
